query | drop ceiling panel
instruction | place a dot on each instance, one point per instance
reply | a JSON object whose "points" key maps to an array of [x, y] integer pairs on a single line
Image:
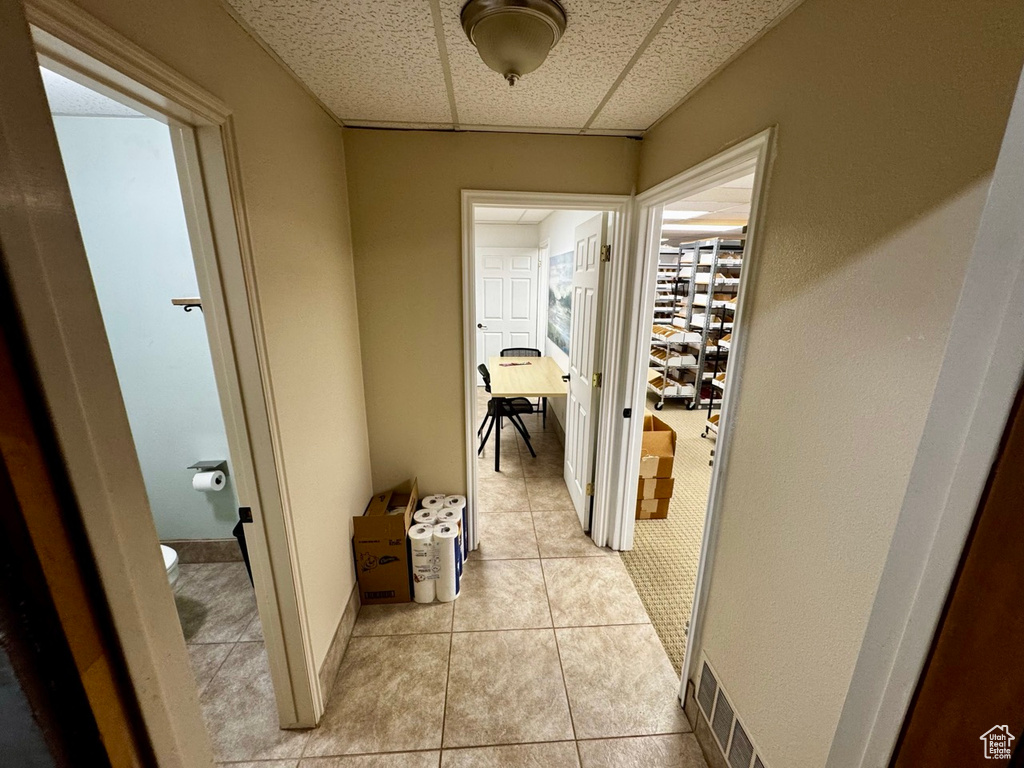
{"points": [[534, 215], [370, 60], [599, 41], [384, 62], [699, 37], [498, 215]]}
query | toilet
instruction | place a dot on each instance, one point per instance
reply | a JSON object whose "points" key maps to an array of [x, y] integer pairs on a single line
{"points": [[170, 563]]}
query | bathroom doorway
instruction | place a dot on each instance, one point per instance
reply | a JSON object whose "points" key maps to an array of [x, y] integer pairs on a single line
{"points": [[123, 174], [80, 315]]}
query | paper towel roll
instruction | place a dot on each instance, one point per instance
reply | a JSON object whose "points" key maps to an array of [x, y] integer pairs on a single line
{"points": [[433, 502], [209, 481], [427, 516], [446, 537], [424, 562], [458, 502]]}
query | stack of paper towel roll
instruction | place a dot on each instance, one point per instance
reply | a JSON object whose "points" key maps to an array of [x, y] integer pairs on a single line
{"points": [[439, 547]]}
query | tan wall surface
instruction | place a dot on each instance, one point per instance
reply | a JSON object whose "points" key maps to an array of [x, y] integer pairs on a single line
{"points": [[293, 171], [405, 191], [889, 119]]}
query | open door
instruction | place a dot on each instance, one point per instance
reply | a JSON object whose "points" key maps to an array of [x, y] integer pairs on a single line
{"points": [[581, 407]]}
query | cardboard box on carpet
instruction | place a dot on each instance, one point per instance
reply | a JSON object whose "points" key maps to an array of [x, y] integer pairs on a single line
{"points": [[652, 509], [380, 548], [657, 448], [655, 488]]}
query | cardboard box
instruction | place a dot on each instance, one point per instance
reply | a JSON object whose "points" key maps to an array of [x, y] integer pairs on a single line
{"points": [[657, 449], [652, 509], [655, 488], [380, 546]]}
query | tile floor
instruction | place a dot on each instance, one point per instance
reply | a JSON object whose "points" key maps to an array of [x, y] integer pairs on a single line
{"points": [[547, 658]]}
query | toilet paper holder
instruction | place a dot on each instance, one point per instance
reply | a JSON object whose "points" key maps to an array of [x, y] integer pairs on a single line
{"points": [[210, 466]]}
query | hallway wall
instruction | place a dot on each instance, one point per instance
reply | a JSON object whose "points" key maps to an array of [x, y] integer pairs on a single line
{"points": [[889, 121], [405, 188], [293, 172]]}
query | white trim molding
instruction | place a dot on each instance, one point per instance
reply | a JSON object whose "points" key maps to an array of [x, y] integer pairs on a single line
{"points": [[750, 156], [979, 378], [74, 43], [613, 298]]}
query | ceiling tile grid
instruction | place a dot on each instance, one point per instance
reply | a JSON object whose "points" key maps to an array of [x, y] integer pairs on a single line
{"points": [[382, 62], [599, 40], [699, 37], [372, 60]]}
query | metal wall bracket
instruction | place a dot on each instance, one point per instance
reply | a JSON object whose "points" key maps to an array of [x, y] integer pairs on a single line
{"points": [[210, 466]]}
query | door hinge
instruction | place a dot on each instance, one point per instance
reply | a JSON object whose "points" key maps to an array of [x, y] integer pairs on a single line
{"points": [[590, 489], [245, 514], [596, 380], [606, 253], [627, 413]]}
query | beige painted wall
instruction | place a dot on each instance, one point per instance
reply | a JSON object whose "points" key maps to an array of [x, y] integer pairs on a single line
{"points": [[405, 192], [293, 171], [889, 119]]}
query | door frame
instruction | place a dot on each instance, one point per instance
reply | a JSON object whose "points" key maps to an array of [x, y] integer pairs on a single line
{"points": [[753, 154], [202, 131], [620, 210], [981, 372]]}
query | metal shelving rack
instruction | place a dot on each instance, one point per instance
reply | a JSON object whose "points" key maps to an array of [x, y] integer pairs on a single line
{"points": [[690, 344], [674, 291]]}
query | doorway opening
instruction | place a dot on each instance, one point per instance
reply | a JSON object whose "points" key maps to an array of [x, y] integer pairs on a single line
{"points": [[167, 353], [691, 329], [536, 290], [123, 175], [698, 254]]}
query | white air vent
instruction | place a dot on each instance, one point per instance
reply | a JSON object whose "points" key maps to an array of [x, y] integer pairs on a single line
{"points": [[735, 744]]}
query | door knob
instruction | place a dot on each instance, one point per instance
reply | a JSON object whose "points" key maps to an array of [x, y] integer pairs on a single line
{"points": [[481, 326]]}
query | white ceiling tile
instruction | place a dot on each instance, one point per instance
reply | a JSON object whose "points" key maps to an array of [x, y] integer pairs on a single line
{"points": [[370, 60], [600, 38], [485, 215], [66, 97], [698, 38], [534, 215]]}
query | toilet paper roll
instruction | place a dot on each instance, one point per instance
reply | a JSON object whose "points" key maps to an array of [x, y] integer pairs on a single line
{"points": [[433, 502], [456, 516], [424, 562], [459, 502], [453, 516], [209, 481], [446, 537], [427, 516]]}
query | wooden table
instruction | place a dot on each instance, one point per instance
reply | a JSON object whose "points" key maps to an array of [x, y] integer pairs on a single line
{"points": [[522, 377]]}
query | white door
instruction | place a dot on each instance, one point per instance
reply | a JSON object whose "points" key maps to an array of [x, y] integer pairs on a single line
{"points": [[506, 300], [581, 408]]}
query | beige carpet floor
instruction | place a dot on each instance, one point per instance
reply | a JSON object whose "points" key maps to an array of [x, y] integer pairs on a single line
{"points": [[663, 561]]}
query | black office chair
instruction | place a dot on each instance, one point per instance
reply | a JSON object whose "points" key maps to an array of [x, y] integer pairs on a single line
{"points": [[542, 402], [507, 407]]}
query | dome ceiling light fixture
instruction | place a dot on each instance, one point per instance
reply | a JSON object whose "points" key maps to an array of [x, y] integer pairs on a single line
{"points": [[513, 37]]}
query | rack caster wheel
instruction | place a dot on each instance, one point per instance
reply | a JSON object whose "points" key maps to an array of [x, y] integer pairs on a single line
{"points": [[658, 406], [703, 434]]}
